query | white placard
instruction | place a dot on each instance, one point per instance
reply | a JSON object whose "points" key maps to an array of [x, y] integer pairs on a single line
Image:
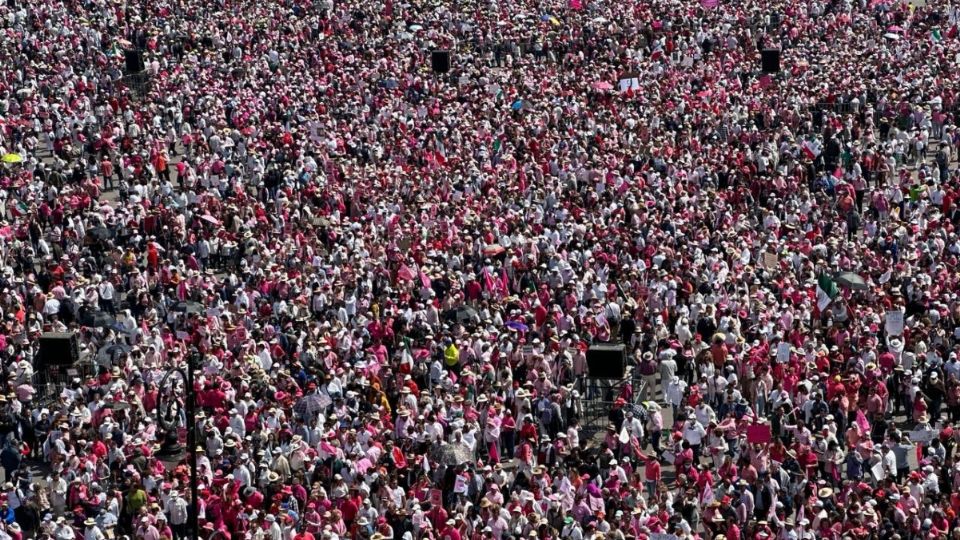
{"points": [[629, 84], [783, 352], [878, 471], [894, 323], [923, 435], [769, 260]]}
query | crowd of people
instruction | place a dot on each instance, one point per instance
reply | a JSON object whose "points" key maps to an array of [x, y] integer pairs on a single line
{"points": [[386, 278]]}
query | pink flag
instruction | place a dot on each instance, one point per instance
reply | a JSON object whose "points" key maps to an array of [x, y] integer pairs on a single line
{"points": [[488, 283], [504, 281], [327, 449], [709, 3], [707, 496], [424, 280], [862, 422], [576, 5], [405, 273]]}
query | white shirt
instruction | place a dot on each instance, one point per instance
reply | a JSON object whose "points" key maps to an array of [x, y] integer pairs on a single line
{"points": [[242, 475], [674, 392], [93, 533], [176, 509], [106, 290], [693, 433]]}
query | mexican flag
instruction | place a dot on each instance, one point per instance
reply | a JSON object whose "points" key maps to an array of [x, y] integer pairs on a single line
{"points": [[826, 291], [20, 209]]}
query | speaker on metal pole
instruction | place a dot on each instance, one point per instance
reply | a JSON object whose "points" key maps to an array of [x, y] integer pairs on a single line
{"points": [[133, 61], [770, 60], [440, 61], [59, 349], [606, 360]]}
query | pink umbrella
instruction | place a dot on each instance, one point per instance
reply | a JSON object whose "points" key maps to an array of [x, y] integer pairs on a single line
{"points": [[602, 86], [493, 250], [210, 219], [894, 29]]}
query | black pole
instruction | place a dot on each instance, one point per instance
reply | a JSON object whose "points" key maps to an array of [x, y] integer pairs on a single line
{"points": [[193, 519]]}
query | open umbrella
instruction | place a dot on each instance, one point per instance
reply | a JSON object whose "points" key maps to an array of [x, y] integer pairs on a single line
{"points": [[117, 406], [100, 233], [602, 86], [493, 250], [97, 319], [309, 406], [516, 325], [210, 219], [108, 353], [12, 158], [850, 280], [188, 306], [453, 454], [462, 314]]}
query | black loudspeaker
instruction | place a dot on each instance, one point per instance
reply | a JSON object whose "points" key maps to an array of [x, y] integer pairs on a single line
{"points": [[770, 60], [133, 61], [59, 349], [606, 360], [440, 60]]}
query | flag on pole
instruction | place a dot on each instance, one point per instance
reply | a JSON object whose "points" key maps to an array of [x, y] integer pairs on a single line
{"points": [[488, 282], [20, 208], [826, 291], [405, 273], [399, 460], [709, 3], [811, 149], [862, 422]]}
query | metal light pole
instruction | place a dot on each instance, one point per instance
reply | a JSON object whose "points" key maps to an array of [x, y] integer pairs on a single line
{"points": [[171, 453]]}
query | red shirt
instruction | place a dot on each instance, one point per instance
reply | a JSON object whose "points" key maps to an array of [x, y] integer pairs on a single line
{"points": [[528, 431], [651, 471], [450, 532], [349, 510]]}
